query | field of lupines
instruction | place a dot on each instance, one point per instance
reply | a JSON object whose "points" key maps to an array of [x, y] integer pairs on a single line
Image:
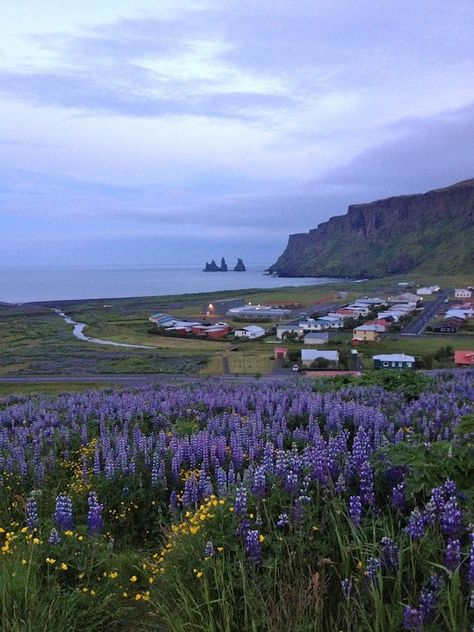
{"points": [[226, 507]]}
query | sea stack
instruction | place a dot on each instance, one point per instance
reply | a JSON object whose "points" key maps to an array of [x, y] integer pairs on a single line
{"points": [[240, 267], [213, 267]]}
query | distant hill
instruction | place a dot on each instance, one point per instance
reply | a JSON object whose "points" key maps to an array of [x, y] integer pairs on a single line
{"points": [[425, 233]]}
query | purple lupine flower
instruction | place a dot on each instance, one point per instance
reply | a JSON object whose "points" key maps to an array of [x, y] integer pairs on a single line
{"points": [[340, 486], [355, 510], [291, 483], [373, 566], [416, 524], [209, 550], [450, 487], [63, 517], [282, 521], [31, 513], [346, 586], [389, 554], [436, 582], [174, 505], [452, 555], [451, 518], [95, 522], [54, 537], [427, 605], [259, 483], [398, 496], [412, 619], [240, 504], [366, 485], [252, 545]]}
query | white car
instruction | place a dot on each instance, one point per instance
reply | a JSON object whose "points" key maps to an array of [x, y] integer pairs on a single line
{"points": [[295, 368]]}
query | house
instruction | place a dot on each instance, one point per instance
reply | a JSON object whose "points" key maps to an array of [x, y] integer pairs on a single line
{"points": [[258, 312], [456, 313], [426, 291], [445, 327], [162, 320], [462, 293], [221, 307], [217, 331], [367, 333], [464, 358], [251, 332], [331, 322], [393, 361], [316, 339], [370, 301], [395, 315], [280, 353], [381, 322], [308, 356], [347, 312], [406, 297], [460, 312]]}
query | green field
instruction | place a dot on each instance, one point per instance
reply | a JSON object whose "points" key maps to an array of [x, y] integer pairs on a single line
{"points": [[51, 388]]}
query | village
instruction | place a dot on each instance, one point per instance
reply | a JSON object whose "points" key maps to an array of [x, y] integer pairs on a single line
{"points": [[333, 337]]}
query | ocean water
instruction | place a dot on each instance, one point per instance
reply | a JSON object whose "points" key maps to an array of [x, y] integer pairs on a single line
{"points": [[22, 285]]}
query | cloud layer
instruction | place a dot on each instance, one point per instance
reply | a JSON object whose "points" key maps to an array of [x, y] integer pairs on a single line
{"points": [[212, 122]]}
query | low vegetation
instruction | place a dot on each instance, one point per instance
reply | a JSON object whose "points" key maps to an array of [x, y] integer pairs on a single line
{"points": [[253, 507]]}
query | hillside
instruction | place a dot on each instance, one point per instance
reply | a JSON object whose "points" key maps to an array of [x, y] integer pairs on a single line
{"points": [[425, 233]]}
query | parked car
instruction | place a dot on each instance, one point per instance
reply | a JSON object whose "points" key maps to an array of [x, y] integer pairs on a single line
{"points": [[295, 368]]}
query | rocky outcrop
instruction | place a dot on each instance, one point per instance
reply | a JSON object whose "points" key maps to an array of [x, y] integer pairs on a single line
{"points": [[239, 266], [427, 233], [213, 267]]}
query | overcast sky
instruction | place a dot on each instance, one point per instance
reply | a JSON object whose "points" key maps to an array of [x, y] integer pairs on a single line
{"points": [[160, 131]]}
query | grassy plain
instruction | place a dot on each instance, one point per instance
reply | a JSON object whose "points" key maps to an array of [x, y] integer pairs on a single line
{"points": [[51, 388]]}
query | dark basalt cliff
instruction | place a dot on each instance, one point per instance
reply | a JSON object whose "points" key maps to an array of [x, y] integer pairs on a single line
{"points": [[427, 233]]}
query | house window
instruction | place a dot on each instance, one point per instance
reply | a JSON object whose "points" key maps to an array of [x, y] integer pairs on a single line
{"points": [[385, 363], [394, 364], [409, 364], [400, 364]]}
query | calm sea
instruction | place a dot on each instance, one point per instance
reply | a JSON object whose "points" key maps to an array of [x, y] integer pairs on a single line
{"points": [[22, 285]]}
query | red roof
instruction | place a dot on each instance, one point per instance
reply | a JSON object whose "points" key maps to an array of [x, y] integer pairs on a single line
{"points": [[464, 357]]}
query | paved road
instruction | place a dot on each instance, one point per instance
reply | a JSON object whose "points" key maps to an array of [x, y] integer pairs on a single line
{"points": [[321, 308], [417, 326]]}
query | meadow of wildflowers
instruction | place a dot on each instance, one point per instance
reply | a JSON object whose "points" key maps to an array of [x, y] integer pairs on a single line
{"points": [[228, 507]]}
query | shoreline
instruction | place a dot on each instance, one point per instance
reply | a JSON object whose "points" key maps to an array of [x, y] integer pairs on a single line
{"points": [[165, 297]]}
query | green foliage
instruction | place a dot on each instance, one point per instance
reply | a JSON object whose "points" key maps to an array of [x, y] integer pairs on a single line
{"points": [[429, 465], [407, 382]]}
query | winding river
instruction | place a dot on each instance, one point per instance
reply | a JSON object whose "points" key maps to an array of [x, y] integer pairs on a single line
{"points": [[78, 332]]}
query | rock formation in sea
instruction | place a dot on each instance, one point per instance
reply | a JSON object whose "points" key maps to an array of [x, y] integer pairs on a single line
{"points": [[240, 266], [213, 267]]}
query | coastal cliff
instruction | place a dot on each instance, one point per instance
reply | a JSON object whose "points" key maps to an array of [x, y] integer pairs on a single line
{"points": [[426, 233]]}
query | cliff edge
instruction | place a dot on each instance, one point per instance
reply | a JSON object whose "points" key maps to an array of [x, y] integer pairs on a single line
{"points": [[427, 233]]}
